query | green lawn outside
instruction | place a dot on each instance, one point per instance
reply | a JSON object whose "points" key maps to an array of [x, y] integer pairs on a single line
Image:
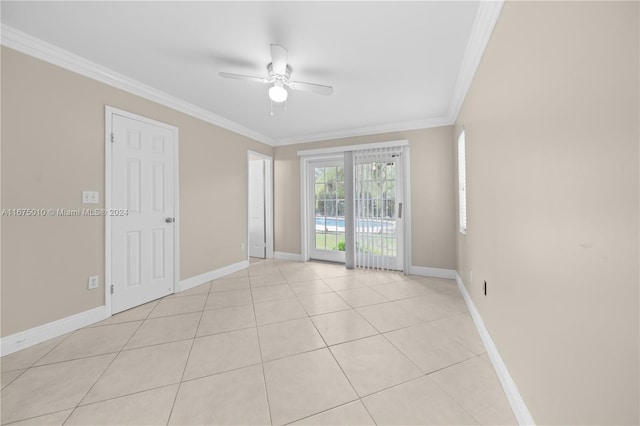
{"points": [[330, 241]]}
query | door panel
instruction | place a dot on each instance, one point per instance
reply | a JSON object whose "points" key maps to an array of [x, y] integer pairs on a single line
{"points": [[142, 241], [257, 225], [326, 208], [379, 227]]}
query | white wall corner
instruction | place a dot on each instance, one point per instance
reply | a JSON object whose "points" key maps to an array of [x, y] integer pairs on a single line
{"points": [[424, 271], [211, 275], [518, 406], [287, 256], [24, 339]]}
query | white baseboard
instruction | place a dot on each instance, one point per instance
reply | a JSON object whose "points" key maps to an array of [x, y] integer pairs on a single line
{"points": [[288, 256], [211, 275], [33, 336], [424, 271], [518, 406]]}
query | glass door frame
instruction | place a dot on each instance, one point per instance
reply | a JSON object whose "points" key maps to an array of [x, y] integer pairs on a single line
{"points": [[314, 253], [327, 153]]}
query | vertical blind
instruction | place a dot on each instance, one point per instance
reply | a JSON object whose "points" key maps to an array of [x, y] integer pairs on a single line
{"points": [[375, 207]]}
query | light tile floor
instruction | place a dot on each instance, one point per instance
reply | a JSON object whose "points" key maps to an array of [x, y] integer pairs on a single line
{"points": [[278, 343]]}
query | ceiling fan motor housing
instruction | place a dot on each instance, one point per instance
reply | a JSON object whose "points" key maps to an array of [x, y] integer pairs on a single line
{"points": [[284, 78]]}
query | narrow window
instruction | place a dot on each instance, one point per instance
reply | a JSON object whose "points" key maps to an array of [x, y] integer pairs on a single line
{"points": [[462, 183]]}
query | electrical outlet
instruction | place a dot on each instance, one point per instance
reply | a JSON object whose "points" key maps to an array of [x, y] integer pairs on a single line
{"points": [[242, 247], [94, 281], [90, 197]]}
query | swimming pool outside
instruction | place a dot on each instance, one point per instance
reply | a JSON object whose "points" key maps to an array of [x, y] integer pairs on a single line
{"points": [[336, 224]]}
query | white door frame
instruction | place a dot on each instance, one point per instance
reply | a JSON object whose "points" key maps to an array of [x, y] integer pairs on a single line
{"points": [[309, 155], [406, 185], [304, 196], [109, 112], [329, 255], [268, 201]]}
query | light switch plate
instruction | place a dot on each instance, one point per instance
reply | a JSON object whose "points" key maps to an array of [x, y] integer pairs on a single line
{"points": [[90, 197], [94, 281]]}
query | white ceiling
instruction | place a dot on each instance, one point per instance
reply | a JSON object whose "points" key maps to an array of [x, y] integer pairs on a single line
{"points": [[393, 65]]}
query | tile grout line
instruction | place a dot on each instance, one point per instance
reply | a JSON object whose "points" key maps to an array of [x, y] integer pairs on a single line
{"points": [[217, 373], [33, 364], [404, 354], [41, 415], [399, 350], [73, 409], [122, 349], [184, 369], [100, 323], [341, 369], [339, 366], [107, 367], [459, 403], [329, 409], [429, 373], [264, 376], [329, 350], [452, 365]]}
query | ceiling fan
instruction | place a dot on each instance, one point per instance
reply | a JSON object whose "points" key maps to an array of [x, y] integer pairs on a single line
{"points": [[279, 73]]}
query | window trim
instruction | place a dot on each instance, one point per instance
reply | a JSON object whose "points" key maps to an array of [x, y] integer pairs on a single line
{"points": [[462, 183]]}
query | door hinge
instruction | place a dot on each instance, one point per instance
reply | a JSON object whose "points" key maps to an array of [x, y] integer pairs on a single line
{"points": [[112, 137], [111, 288]]}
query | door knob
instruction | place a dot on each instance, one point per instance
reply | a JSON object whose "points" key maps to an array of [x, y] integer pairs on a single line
{"points": [[169, 220]]}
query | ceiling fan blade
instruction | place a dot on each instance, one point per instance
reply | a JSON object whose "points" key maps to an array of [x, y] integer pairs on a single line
{"points": [[310, 87], [279, 59], [243, 77]]}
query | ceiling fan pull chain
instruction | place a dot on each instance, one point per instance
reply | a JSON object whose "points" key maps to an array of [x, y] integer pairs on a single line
{"points": [[271, 102]]}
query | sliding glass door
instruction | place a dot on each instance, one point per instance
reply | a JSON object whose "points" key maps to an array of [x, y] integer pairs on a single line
{"points": [[378, 205], [375, 186], [326, 210]]}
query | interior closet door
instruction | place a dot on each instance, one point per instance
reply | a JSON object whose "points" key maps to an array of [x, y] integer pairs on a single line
{"points": [[257, 209], [143, 202]]}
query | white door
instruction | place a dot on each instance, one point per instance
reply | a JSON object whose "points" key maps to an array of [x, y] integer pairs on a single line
{"points": [[257, 223], [142, 187], [326, 210]]}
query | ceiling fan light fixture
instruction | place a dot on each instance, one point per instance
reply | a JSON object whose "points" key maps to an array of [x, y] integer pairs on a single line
{"points": [[277, 93], [279, 78]]}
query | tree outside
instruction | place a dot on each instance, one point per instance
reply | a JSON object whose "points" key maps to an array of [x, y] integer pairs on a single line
{"points": [[374, 203]]}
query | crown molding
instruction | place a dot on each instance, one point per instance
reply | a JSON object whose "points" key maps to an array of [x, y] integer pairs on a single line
{"points": [[485, 21], [369, 130], [32, 46]]}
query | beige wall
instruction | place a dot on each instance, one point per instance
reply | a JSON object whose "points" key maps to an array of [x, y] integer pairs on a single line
{"points": [[432, 193], [53, 148], [552, 162]]}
